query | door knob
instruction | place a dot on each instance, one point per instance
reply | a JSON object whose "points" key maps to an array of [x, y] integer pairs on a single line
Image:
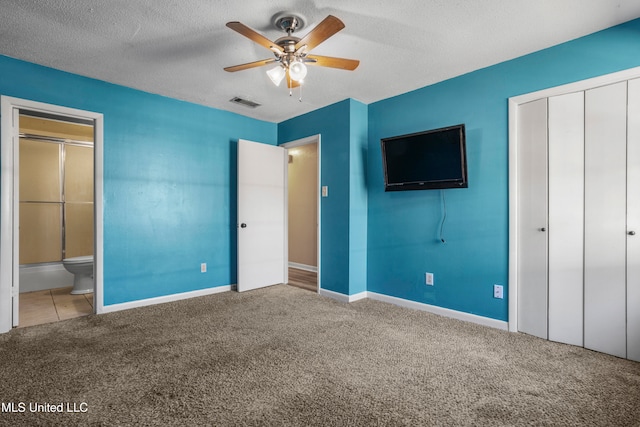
{"points": [[543, 229], [243, 225], [632, 233]]}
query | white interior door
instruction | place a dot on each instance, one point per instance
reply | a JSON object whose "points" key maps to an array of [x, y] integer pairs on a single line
{"points": [[262, 215], [633, 222], [566, 217], [605, 219], [610, 223], [532, 218]]}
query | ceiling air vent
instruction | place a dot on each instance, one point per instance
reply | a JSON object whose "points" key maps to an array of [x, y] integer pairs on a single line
{"points": [[245, 102]]}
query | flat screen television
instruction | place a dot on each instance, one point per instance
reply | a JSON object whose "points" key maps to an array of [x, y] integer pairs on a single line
{"points": [[428, 160]]}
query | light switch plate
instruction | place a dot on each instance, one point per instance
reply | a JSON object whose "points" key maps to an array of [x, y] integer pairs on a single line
{"points": [[497, 291]]}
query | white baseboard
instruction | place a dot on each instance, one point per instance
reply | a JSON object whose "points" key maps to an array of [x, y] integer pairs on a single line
{"points": [[342, 297], [460, 315], [454, 314], [304, 267], [164, 299]]}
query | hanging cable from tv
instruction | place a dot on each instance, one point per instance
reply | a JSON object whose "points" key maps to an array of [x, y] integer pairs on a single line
{"points": [[444, 215]]}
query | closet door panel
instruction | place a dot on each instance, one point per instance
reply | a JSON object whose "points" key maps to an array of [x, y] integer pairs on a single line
{"points": [[532, 217], [633, 222], [605, 219], [566, 217]]}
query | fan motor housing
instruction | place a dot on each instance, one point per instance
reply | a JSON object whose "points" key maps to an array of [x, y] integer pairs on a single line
{"points": [[288, 43]]}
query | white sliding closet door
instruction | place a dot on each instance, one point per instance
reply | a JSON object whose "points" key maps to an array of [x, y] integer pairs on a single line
{"points": [[566, 217], [605, 219], [532, 219], [633, 222]]}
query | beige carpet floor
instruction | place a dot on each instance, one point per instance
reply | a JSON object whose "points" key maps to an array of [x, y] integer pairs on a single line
{"points": [[285, 356]]}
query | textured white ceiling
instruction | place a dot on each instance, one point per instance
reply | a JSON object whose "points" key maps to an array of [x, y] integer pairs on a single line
{"points": [[179, 48]]}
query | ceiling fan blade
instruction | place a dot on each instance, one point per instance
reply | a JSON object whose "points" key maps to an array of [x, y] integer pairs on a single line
{"points": [[253, 35], [329, 61], [250, 65], [290, 82], [325, 29]]}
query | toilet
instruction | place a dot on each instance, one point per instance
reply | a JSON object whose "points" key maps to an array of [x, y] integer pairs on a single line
{"points": [[82, 269]]}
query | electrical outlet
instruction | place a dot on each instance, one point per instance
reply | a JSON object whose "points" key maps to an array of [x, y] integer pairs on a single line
{"points": [[497, 291], [428, 279], [203, 267]]}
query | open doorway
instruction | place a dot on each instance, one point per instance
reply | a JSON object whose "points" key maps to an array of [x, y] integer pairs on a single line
{"points": [[51, 212], [303, 212], [55, 196]]}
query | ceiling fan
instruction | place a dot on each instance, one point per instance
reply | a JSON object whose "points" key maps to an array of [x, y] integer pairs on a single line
{"points": [[292, 53]]}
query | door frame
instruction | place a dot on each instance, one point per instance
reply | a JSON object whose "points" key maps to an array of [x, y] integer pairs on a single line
{"points": [[297, 143], [514, 103], [9, 208]]}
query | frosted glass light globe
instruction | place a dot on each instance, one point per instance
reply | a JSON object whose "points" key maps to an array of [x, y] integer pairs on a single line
{"points": [[297, 71]]}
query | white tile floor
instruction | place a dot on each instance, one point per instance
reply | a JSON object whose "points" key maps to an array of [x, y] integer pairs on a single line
{"points": [[52, 305]]}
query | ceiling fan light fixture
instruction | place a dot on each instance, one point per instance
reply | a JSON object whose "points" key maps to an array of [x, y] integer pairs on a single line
{"points": [[276, 74], [291, 52], [297, 71]]}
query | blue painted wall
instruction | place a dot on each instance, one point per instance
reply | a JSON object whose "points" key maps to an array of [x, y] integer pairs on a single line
{"points": [[343, 128], [169, 181], [403, 231]]}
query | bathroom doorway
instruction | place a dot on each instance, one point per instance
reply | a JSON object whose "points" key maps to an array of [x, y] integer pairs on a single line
{"points": [[52, 175], [55, 215]]}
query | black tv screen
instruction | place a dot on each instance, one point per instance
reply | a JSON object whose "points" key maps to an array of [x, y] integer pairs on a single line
{"points": [[426, 160]]}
